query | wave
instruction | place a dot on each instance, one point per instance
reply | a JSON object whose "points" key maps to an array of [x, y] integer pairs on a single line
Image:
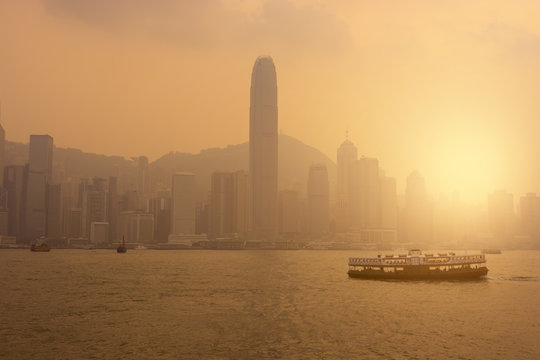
{"points": [[514, 278]]}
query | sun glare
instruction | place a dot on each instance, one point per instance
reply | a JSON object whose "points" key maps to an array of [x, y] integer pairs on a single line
{"points": [[466, 165]]}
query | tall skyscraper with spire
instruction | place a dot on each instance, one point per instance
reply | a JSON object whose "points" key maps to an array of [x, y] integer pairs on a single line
{"points": [[263, 149]]}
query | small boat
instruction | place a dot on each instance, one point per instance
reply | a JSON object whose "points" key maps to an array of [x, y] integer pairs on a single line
{"points": [[122, 247], [40, 248], [418, 266]]}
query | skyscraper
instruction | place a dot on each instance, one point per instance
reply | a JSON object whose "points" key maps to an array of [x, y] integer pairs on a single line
{"points": [[39, 177], [318, 199], [2, 153], [228, 204], [14, 184], [263, 149], [143, 181], [366, 205], [183, 204]]}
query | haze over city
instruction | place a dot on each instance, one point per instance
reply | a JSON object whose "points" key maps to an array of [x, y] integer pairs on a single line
{"points": [[450, 90], [269, 179]]}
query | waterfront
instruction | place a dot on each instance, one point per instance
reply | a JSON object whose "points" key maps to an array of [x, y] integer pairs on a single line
{"points": [[257, 304]]}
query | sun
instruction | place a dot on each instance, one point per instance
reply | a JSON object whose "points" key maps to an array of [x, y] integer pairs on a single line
{"points": [[467, 164]]}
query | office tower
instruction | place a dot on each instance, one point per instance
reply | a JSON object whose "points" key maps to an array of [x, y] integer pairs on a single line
{"points": [[4, 223], [529, 209], [142, 226], [263, 149], [75, 223], [501, 213], [2, 153], [112, 208], [202, 218], [54, 212], [14, 185], [318, 199], [160, 207], [38, 179], [418, 213], [129, 201], [365, 207], [41, 155], [228, 204], [241, 202], [183, 204], [289, 212], [143, 181], [93, 203], [347, 155], [388, 203], [99, 232]]}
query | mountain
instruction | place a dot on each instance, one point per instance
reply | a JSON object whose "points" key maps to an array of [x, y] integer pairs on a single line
{"points": [[294, 159]]}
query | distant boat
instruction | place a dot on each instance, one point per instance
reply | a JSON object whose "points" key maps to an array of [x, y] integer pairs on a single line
{"points": [[122, 247], [40, 248], [140, 247], [491, 251]]}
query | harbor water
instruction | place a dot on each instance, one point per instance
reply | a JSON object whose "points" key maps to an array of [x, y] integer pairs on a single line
{"points": [[149, 304]]}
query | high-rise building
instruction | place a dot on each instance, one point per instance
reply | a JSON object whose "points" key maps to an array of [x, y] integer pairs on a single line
{"points": [[501, 213], [388, 202], [183, 204], [529, 211], [347, 155], [112, 208], [99, 232], [228, 204], [290, 212], [365, 209], [143, 181], [93, 203], [160, 207], [136, 227], [263, 149], [14, 185], [54, 212], [75, 223], [38, 179], [418, 212], [2, 153], [318, 199]]}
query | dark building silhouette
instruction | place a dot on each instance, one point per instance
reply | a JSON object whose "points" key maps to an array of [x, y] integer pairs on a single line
{"points": [[318, 200], [228, 204], [112, 208], [14, 185], [38, 179], [54, 212], [263, 149]]}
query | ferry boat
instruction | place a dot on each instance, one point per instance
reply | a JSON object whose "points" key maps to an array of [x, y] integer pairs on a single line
{"points": [[40, 248], [417, 266]]}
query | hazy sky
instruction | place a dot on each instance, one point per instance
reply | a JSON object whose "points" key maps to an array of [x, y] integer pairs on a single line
{"points": [[451, 88]]}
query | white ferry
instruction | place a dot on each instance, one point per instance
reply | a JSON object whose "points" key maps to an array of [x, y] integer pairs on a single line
{"points": [[414, 265]]}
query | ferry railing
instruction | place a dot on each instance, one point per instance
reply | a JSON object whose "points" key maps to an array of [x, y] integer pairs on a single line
{"points": [[396, 261]]}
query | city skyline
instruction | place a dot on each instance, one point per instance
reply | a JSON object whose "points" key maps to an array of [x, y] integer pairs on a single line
{"points": [[463, 114]]}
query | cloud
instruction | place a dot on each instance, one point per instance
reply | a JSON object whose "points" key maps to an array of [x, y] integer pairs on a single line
{"points": [[275, 24]]}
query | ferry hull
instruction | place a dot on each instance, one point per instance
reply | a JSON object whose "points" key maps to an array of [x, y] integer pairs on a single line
{"points": [[468, 274]]}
